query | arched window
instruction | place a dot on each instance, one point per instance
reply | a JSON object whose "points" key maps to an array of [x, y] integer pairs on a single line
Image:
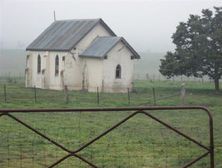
{"points": [[118, 72], [39, 64], [57, 65]]}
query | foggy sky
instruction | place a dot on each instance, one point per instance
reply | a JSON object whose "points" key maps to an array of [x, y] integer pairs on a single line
{"points": [[146, 24]]}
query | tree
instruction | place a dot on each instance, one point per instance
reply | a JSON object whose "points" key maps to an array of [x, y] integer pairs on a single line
{"points": [[198, 48]]}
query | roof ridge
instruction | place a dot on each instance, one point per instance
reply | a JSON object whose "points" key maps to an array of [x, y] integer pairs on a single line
{"points": [[78, 19], [109, 37]]}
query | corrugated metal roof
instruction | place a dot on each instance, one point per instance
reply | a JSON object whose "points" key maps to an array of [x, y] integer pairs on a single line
{"points": [[102, 45], [63, 35]]}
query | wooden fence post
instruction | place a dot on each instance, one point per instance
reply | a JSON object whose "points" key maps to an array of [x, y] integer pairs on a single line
{"points": [[97, 93], [183, 93], [147, 76], [154, 97], [5, 94], [128, 92], [66, 94], [35, 96]]}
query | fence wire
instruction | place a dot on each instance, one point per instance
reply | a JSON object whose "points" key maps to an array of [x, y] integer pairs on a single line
{"points": [[17, 93]]}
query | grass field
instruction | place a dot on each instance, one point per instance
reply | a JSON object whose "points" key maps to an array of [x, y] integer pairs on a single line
{"points": [[140, 142]]}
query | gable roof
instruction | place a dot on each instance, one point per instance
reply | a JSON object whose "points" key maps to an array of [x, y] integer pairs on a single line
{"points": [[63, 35], [102, 45]]}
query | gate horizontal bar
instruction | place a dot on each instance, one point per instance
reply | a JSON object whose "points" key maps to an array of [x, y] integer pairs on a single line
{"points": [[100, 109]]}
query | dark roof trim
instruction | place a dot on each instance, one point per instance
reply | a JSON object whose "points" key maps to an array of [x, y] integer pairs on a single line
{"points": [[137, 56], [44, 50], [93, 57], [107, 27]]}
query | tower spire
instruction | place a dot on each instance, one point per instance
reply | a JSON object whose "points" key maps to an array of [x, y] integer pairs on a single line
{"points": [[54, 15]]}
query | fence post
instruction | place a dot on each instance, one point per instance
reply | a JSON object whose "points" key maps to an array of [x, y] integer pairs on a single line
{"points": [[128, 92], [35, 96], [97, 93], [5, 94], [154, 97], [183, 93], [147, 76], [66, 94]]}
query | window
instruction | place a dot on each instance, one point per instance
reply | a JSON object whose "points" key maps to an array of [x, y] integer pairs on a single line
{"points": [[118, 72], [39, 64], [57, 65]]}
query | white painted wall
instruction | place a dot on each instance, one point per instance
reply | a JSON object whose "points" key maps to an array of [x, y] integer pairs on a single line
{"points": [[55, 81], [28, 71], [46, 79], [121, 55], [101, 72], [74, 67], [95, 72], [36, 78]]}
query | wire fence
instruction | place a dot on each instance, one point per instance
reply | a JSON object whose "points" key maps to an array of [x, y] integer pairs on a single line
{"points": [[17, 93], [18, 77], [160, 77]]}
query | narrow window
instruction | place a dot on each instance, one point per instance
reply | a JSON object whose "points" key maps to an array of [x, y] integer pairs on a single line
{"points": [[39, 64], [57, 65], [118, 72]]}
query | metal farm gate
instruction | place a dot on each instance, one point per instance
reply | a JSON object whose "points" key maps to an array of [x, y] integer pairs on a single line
{"points": [[209, 150]]}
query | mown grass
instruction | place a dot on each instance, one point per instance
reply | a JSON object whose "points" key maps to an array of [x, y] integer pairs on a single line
{"points": [[140, 142]]}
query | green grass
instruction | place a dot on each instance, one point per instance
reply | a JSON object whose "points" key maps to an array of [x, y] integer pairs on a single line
{"points": [[140, 142]]}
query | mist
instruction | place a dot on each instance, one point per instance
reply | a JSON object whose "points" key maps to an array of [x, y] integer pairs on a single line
{"points": [[146, 25]]}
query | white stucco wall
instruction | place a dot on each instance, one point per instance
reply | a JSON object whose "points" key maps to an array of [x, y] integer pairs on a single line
{"points": [[55, 81], [74, 67], [93, 73], [76, 71], [47, 78], [36, 78], [98, 30], [101, 72], [28, 70], [119, 55]]}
